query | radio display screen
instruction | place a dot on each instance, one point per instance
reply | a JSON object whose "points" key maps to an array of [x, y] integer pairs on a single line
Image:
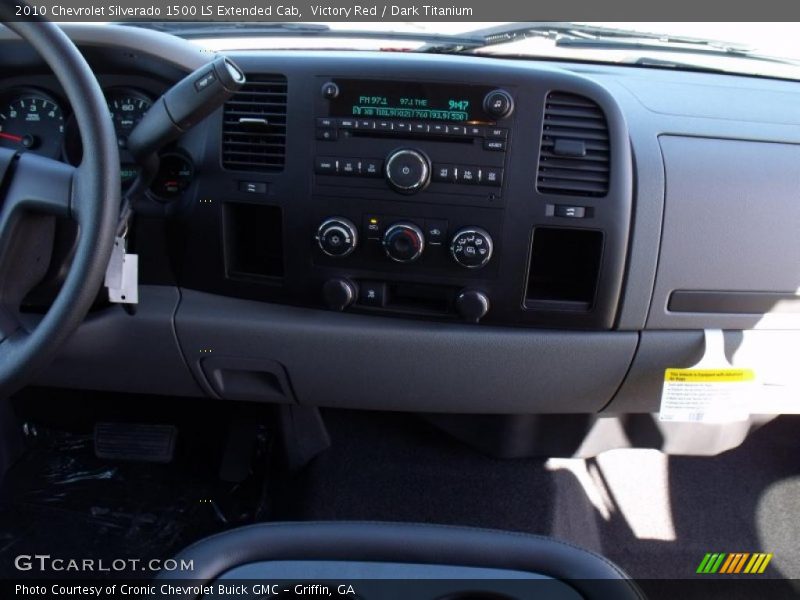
{"points": [[410, 100]]}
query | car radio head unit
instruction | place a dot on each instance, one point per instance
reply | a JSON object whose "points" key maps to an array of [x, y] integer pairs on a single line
{"points": [[369, 98]]}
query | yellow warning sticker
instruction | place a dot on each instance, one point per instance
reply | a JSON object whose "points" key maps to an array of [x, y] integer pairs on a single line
{"points": [[709, 375]]}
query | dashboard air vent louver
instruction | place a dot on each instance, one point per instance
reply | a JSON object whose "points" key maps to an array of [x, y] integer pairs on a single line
{"points": [[254, 125], [574, 157]]}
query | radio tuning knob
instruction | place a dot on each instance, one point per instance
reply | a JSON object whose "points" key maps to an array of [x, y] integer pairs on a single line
{"points": [[499, 104], [337, 237], [408, 171], [472, 305]]}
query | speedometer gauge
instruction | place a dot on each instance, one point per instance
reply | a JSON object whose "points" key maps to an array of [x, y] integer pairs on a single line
{"points": [[32, 122], [127, 107]]}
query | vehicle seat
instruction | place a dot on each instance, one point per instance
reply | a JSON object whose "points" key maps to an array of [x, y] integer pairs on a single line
{"points": [[496, 563]]}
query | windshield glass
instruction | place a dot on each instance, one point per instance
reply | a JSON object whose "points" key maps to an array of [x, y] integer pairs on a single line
{"points": [[767, 49]]}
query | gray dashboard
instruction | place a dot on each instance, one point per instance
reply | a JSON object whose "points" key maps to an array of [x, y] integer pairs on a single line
{"points": [[710, 178]]}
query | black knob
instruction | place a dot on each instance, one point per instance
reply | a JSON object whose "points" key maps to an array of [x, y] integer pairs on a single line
{"points": [[403, 242], [499, 104], [472, 305], [337, 237], [408, 171], [339, 293], [330, 90], [472, 247]]}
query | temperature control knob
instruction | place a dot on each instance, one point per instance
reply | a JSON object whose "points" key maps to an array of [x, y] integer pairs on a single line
{"points": [[403, 242], [337, 237], [472, 247], [407, 170]]}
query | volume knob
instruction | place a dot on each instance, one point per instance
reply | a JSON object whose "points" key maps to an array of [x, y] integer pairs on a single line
{"points": [[408, 171]]}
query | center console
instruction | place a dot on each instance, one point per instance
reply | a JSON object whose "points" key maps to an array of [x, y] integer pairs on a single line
{"points": [[423, 187]]}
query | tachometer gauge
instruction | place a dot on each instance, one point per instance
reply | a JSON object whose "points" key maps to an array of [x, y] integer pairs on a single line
{"points": [[32, 122], [127, 107]]}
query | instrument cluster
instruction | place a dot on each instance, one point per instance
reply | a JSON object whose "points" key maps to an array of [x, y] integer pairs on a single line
{"points": [[34, 120]]}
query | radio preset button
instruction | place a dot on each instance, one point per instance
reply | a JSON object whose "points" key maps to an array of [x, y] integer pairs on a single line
{"points": [[365, 124], [402, 126], [420, 127], [407, 170], [438, 128], [383, 125]]}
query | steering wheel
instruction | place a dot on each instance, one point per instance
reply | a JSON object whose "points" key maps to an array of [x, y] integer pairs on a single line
{"points": [[33, 190]]}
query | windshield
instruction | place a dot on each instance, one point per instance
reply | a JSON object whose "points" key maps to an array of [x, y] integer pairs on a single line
{"points": [[766, 49]]}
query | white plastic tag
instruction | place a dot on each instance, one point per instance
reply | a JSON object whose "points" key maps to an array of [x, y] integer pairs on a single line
{"points": [[122, 275], [712, 391]]}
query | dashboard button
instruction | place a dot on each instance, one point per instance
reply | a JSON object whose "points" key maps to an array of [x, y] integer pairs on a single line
{"points": [[438, 128], [326, 134], [371, 167], [365, 124], [469, 175], [349, 166], [253, 187], [347, 123], [458, 129], [326, 166], [572, 212], [420, 127], [435, 231], [444, 173], [373, 227], [326, 122], [383, 125], [402, 126], [371, 293], [494, 145], [492, 176], [475, 131], [497, 132]]}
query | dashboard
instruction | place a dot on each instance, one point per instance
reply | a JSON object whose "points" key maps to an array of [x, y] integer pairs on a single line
{"points": [[439, 233]]}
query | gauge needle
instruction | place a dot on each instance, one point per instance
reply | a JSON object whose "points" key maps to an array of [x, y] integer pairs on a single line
{"points": [[9, 136]]}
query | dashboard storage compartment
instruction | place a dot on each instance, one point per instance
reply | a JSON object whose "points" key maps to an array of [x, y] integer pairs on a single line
{"points": [[564, 269], [253, 240]]}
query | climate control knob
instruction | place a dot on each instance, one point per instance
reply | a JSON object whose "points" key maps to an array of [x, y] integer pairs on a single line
{"points": [[472, 247], [337, 237], [407, 170], [403, 242]]}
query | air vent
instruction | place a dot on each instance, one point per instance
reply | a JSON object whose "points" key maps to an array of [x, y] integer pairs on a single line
{"points": [[254, 126], [574, 157]]}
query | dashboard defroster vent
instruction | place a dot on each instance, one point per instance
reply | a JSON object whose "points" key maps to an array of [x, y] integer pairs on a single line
{"points": [[254, 125], [574, 157]]}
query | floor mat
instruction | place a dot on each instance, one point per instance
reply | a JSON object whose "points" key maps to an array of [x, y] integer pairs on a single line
{"points": [[61, 500], [654, 515]]}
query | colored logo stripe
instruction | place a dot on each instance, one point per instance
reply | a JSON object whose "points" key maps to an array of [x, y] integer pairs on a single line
{"points": [[733, 563]]}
